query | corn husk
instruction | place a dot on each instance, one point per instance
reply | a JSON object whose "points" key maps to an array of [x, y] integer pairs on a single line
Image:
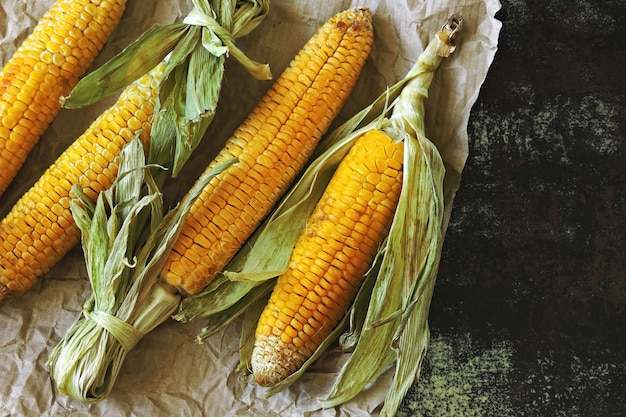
{"points": [[195, 50], [388, 319], [126, 238], [126, 235]]}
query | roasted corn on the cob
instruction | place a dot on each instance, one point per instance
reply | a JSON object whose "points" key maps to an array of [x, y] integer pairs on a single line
{"points": [[330, 258]]}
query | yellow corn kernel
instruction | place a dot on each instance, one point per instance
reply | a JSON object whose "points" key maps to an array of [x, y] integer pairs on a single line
{"points": [[331, 281], [272, 147]]}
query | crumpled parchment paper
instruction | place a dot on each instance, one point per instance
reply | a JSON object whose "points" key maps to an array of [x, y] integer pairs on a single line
{"points": [[168, 374]]}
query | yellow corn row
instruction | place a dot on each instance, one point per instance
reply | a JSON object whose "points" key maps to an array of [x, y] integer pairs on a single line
{"points": [[330, 258], [45, 67], [40, 228], [272, 146]]}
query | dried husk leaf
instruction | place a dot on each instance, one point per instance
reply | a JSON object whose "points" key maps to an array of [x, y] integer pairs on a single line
{"points": [[248, 327], [127, 66]]}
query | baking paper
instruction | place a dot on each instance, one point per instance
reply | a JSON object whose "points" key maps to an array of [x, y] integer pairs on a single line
{"points": [[168, 374]]}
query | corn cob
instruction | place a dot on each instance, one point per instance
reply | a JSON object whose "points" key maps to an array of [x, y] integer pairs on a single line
{"points": [[44, 68], [331, 256], [272, 145], [128, 232], [40, 229]]}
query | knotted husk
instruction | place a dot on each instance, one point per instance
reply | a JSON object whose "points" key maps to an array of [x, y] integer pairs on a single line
{"points": [[126, 239], [126, 234]]}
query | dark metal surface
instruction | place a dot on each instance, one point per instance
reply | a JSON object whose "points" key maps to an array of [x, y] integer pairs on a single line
{"points": [[528, 316]]}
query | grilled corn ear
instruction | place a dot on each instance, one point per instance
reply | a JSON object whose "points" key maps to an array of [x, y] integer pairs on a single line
{"points": [[330, 258], [272, 145]]}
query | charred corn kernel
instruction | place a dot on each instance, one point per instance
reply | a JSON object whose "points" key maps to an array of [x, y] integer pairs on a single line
{"points": [[329, 259], [272, 145], [41, 222], [44, 68]]}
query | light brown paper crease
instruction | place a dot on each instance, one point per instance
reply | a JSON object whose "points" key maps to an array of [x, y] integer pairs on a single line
{"points": [[167, 373]]}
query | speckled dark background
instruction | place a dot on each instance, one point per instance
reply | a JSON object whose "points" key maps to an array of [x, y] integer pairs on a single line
{"points": [[528, 316]]}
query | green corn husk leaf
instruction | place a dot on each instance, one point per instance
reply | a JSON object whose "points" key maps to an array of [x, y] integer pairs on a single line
{"points": [[126, 238], [222, 22], [126, 67], [195, 50], [248, 327], [358, 311], [225, 316]]}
